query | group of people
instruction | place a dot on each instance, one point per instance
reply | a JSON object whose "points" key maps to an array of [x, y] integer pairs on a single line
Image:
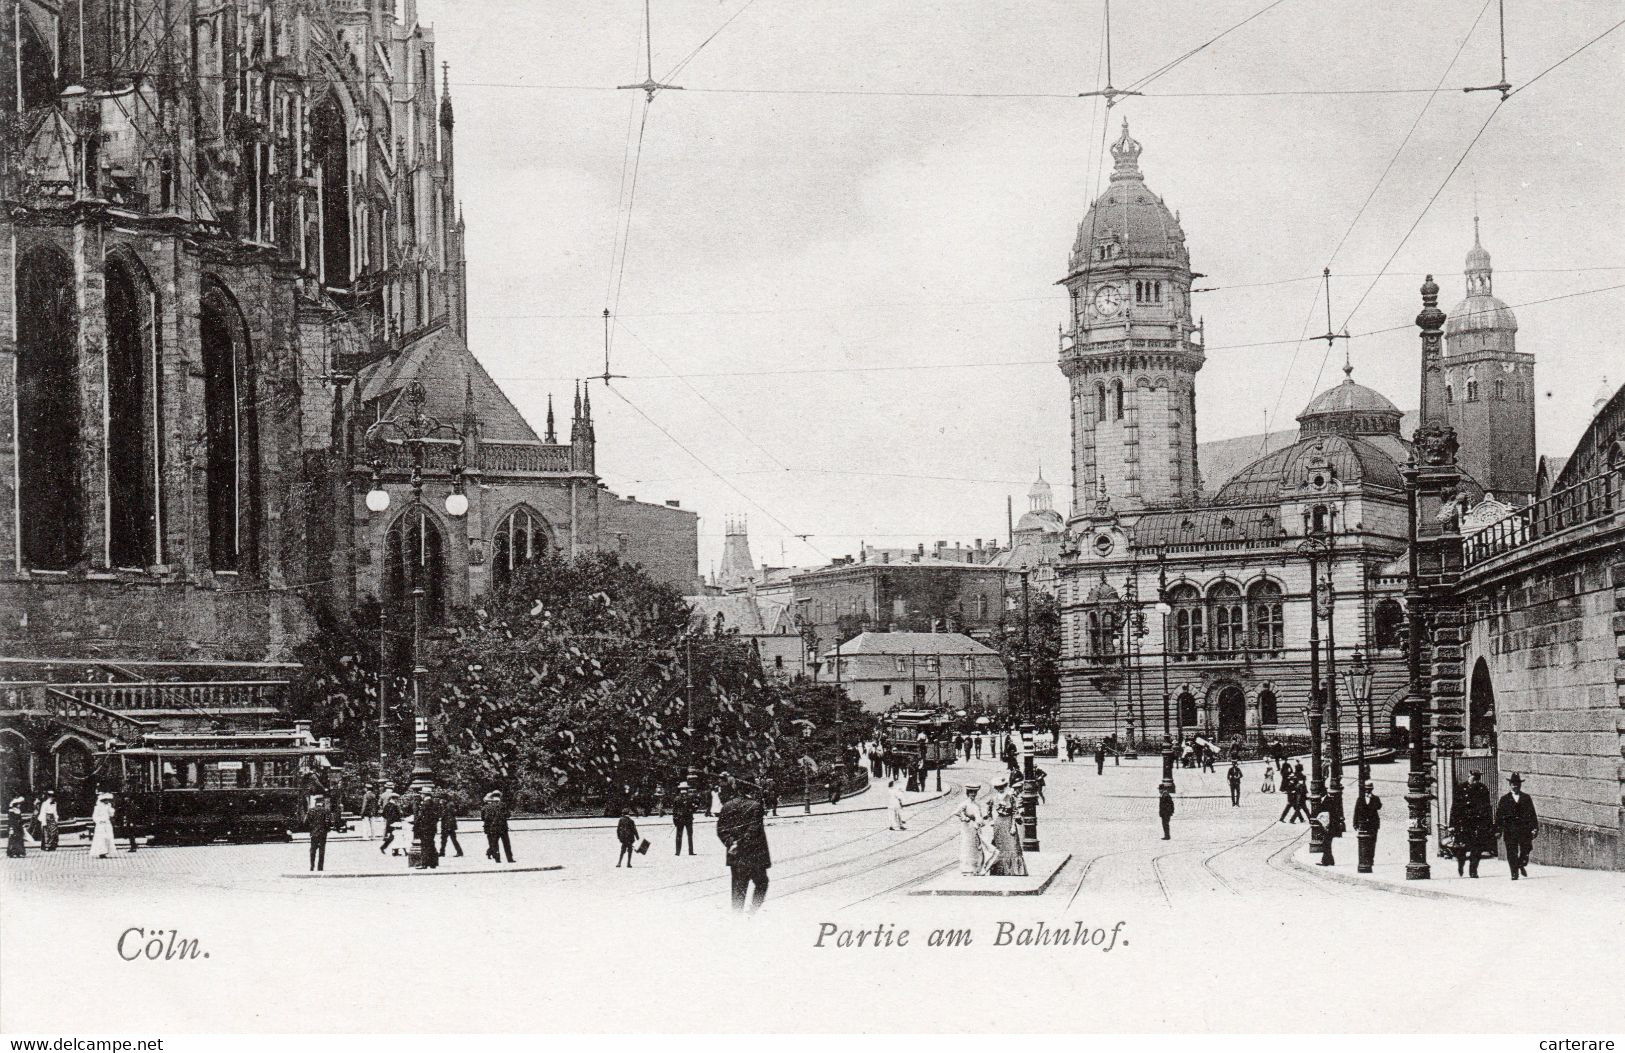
{"points": [[432, 818], [989, 832], [38, 819], [1476, 823]]}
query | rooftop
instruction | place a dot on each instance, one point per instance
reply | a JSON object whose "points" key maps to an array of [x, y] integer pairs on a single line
{"points": [[911, 643]]}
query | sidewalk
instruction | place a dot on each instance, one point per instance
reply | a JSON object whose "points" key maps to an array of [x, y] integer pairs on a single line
{"points": [[1546, 888]]}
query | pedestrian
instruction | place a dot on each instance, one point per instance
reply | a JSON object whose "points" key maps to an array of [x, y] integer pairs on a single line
{"points": [[626, 831], [1233, 776], [448, 826], [494, 819], [923, 769], [970, 816], [425, 825], [1474, 818], [1165, 810], [369, 809], [319, 820], [683, 805], [389, 809], [717, 801], [770, 800], [1208, 754], [101, 838], [833, 788], [1367, 821], [978, 747], [1006, 834], [1517, 823], [16, 822], [1100, 757], [49, 822], [1060, 748], [743, 835], [1297, 773], [1269, 778], [1328, 823], [895, 798]]}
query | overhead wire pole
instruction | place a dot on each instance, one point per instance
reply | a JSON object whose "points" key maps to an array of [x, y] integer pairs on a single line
{"points": [[1501, 86], [1109, 93]]}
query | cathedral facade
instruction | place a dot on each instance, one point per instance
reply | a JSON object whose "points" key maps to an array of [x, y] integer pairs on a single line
{"points": [[1194, 608], [231, 247]]}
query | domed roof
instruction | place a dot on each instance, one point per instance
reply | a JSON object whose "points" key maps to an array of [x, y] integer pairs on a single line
{"points": [[1041, 492], [1128, 220], [1323, 459], [1479, 311], [1350, 409], [1048, 520]]}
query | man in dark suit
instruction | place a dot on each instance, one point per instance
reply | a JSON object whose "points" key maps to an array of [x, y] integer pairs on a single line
{"points": [[494, 818], [320, 820], [1474, 820], [1233, 776], [1367, 821], [740, 829], [1165, 810], [425, 825], [1100, 758], [1516, 822], [683, 806]]}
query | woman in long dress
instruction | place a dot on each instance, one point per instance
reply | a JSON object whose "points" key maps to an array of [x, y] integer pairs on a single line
{"points": [[1010, 862], [15, 821], [49, 822], [101, 839], [969, 815]]}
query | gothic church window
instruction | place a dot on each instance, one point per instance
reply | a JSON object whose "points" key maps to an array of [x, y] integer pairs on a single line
{"points": [[415, 558], [1500, 389], [36, 71], [228, 415], [520, 538], [1117, 400], [49, 502], [135, 416], [1100, 400], [331, 146], [1449, 394]]}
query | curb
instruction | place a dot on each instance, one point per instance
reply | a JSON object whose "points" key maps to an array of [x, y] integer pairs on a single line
{"points": [[409, 873], [1381, 886], [1038, 891]]}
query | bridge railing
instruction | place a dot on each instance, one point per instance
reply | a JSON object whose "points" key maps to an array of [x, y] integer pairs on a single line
{"points": [[1587, 501]]}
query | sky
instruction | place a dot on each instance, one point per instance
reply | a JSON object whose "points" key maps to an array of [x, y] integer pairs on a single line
{"points": [[834, 298]]}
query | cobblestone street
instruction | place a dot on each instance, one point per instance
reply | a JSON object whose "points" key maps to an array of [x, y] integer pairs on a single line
{"points": [[1210, 905]]}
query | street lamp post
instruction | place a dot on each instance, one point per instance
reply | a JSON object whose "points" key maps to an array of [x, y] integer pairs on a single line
{"points": [[1357, 685], [417, 432], [1311, 548], [1164, 609], [1334, 737]]}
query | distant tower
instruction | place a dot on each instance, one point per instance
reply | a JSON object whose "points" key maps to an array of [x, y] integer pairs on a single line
{"points": [[1489, 390], [737, 566], [1041, 498], [1130, 353]]}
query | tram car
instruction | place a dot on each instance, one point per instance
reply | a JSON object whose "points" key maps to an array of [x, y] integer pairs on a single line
{"points": [[196, 787], [900, 733]]}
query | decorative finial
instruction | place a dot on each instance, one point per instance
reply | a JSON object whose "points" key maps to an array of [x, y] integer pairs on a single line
{"points": [[1126, 152]]}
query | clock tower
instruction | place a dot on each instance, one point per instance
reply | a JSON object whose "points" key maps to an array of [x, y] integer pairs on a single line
{"points": [[1129, 349]]}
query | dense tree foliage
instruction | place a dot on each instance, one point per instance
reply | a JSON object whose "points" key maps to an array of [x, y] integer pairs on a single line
{"points": [[1041, 643]]}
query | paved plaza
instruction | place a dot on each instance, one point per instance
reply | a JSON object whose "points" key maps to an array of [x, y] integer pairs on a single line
{"points": [[1216, 908]]}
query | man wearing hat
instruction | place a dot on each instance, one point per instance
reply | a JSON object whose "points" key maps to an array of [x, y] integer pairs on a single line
{"points": [[1367, 821], [1165, 809], [1516, 822], [15, 822], [744, 836], [683, 806], [1474, 820], [494, 818], [425, 824], [319, 820]]}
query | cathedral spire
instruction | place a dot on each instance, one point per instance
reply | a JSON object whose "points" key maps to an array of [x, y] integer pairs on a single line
{"points": [[552, 434]]}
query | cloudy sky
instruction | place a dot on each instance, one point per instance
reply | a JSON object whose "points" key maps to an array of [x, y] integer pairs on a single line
{"points": [[836, 305]]}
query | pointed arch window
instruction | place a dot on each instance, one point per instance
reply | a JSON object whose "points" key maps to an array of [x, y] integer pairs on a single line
{"points": [[520, 538], [1100, 402], [135, 416], [1449, 394], [36, 73], [1117, 400], [228, 427], [49, 502], [1268, 623], [1228, 626], [331, 142], [415, 558]]}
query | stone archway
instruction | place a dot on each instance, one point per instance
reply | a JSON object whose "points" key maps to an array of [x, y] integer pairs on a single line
{"points": [[1481, 708], [1232, 712], [75, 765], [16, 765]]}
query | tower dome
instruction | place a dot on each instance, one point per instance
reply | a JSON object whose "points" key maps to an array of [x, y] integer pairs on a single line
{"points": [[1479, 321], [1349, 409], [1128, 221]]}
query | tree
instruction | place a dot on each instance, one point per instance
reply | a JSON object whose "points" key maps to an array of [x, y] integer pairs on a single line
{"points": [[336, 688], [1043, 636]]}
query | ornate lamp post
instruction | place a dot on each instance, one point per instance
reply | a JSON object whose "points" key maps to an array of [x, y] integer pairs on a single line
{"points": [[417, 432], [1164, 610], [1357, 685], [1312, 547]]}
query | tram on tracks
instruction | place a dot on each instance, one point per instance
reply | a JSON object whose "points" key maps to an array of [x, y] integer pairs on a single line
{"points": [[196, 787], [900, 733]]}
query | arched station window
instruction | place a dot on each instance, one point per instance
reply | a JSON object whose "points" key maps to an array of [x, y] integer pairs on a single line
{"points": [[415, 557], [520, 538], [1229, 629], [1187, 709], [1269, 709], [135, 416], [1388, 623], [1100, 402], [1117, 400], [228, 427], [1190, 621], [1268, 623], [49, 499], [1481, 708]]}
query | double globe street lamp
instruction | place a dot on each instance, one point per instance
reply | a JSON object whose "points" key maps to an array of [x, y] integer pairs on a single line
{"points": [[418, 433]]}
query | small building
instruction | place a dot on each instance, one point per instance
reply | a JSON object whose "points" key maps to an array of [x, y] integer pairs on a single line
{"points": [[915, 595], [919, 670]]}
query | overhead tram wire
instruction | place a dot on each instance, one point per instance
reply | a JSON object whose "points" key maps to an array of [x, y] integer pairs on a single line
{"points": [[1359, 213], [724, 480], [1166, 67], [1531, 81]]}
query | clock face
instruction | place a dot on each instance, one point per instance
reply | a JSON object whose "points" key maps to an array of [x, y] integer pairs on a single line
{"points": [[1108, 300]]}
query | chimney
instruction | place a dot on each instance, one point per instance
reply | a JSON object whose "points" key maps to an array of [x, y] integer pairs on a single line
{"points": [[674, 504]]}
